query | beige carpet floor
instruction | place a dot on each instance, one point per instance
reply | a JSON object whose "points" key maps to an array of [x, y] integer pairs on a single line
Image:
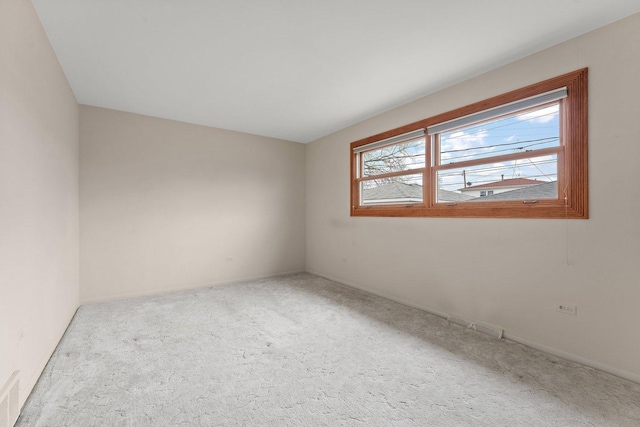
{"points": [[300, 350]]}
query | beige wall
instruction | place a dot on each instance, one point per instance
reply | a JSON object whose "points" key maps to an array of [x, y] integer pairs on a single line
{"points": [[166, 205], [509, 273], [38, 196]]}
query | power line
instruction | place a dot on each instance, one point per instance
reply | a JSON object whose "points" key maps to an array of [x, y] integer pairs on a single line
{"points": [[547, 139], [479, 125], [492, 168]]}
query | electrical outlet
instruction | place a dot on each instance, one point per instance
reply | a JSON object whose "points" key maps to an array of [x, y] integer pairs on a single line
{"points": [[228, 259], [345, 260], [571, 309]]}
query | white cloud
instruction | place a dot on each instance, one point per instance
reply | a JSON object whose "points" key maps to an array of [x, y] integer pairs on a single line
{"points": [[462, 141], [543, 115], [535, 160], [496, 169]]}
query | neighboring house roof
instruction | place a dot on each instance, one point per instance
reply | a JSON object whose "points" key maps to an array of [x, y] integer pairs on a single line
{"points": [[452, 196], [547, 190], [394, 191], [513, 182], [401, 192]]}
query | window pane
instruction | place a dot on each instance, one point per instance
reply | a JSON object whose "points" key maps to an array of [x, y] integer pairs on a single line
{"points": [[525, 179], [400, 157], [531, 130], [399, 189]]}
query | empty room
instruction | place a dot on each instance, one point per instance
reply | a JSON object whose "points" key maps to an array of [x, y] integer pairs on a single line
{"points": [[319, 213]]}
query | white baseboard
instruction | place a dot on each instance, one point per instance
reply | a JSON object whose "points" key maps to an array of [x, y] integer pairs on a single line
{"points": [[549, 350], [26, 390], [127, 295], [573, 358], [380, 294]]}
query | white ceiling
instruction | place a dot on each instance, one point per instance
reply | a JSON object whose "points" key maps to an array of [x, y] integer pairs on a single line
{"points": [[296, 69]]}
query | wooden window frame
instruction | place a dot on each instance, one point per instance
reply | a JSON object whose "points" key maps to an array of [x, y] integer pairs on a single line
{"points": [[573, 186]]}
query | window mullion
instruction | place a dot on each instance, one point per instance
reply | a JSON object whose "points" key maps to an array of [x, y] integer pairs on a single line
{"points": [[392, 174], [506, 157]]}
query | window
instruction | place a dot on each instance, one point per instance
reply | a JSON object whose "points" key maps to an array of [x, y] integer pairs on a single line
{"points": [[388, 171], [522, 154]]}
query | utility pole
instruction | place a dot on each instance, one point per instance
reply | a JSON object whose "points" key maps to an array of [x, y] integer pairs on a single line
{"points": [[464, 176]]}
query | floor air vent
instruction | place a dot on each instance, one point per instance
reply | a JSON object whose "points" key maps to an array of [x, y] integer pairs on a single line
{"points": [[10, 401]]}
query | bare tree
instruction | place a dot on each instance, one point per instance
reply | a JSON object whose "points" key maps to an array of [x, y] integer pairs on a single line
{"points": [[393, 158]]}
